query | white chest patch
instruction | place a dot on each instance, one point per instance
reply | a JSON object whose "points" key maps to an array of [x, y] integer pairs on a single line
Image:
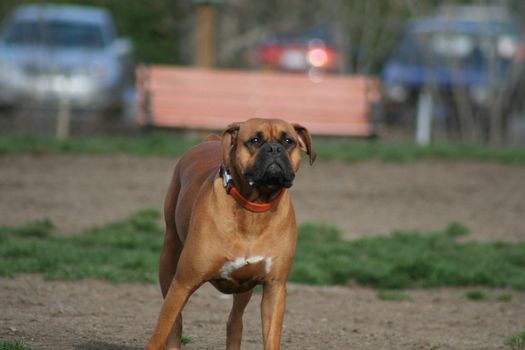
{"points": [[230, 266]]}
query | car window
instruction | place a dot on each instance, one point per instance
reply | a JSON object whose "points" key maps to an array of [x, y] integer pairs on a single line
{"points": [[459, 44], [451, 44], [55, 33], [447, 49]]}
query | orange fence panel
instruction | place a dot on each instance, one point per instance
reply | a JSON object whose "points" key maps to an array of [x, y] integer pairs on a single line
{"points": [[211, 99]]}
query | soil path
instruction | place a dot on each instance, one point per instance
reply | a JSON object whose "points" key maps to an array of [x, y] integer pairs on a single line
{"points": [[93, 315], [79, 191]]}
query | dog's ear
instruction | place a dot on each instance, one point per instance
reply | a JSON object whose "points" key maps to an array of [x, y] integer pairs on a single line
{"points": [[305, 141], [229, 141], [212, 137]]}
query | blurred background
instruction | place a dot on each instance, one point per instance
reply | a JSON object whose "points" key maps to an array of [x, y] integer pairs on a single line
{"points": [[444, 70], [98, 98]]}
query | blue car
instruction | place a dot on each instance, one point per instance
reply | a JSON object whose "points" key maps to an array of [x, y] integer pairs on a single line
{"points": [[467, 64], [53, 52]]}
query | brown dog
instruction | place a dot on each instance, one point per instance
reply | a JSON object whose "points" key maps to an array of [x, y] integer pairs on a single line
{"points": [[230, 221]]}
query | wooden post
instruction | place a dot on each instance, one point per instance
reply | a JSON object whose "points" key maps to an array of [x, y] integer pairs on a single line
{"points": [[424, 117], [205, 35], [63, 118]]}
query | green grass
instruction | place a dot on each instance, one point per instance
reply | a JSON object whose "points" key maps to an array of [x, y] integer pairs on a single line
{"points": [[352, 151], [517, 341], [13, 345], [349, 150], [146, 145], [483, 295], [392, 295], [407, 260], [504, 297], [185, 340], [128, 251], [476, 295]]}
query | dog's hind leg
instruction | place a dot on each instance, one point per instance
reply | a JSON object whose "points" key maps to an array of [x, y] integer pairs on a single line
{"points": [[168, 266], [179, 291], [170, 256], [234, 328], [175, 338]]}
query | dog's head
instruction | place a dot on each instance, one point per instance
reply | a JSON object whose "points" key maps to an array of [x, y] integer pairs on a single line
{"points": [[265, 153]]}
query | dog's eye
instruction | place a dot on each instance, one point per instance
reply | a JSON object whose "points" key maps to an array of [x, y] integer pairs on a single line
{"points": [[255, 141], [288, 141]]}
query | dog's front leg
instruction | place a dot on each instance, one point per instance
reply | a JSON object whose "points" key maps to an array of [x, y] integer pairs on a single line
{"points": [[234, 328], [272, 313], [175, 300]]}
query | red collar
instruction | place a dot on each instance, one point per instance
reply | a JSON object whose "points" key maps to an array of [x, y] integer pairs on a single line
{"points": [[243, 202]]}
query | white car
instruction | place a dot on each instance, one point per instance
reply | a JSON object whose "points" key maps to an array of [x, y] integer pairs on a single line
{"points": [[53, 52]]}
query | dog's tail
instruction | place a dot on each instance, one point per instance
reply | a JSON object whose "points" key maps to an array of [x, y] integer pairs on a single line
{"points": [[170, 200]]}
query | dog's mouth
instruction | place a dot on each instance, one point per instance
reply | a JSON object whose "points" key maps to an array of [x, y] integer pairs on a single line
{"points": [[273, 176]]}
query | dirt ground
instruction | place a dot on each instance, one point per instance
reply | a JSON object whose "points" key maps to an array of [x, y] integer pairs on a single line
{"points": [[78, 192]]}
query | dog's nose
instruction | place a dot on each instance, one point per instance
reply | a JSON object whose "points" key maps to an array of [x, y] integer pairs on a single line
{"points": [[274, 148]]}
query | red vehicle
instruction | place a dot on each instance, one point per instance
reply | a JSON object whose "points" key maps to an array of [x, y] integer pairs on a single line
{"points": [[311, 50]]}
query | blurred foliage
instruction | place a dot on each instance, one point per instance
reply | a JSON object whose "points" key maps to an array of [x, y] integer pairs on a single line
{"points": [[162, 30]]}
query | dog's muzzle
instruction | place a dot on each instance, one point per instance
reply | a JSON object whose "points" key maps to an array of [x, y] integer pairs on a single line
{"points": [[272, 168]]}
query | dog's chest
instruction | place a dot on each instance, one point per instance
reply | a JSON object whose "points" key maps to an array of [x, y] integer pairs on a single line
{"points": [[242, 273]]}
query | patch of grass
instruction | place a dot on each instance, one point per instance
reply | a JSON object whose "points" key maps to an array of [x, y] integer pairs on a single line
{"points": [[352, 151], [479, 295], [349, 150], [185, 340], [406, 260], [392, 295], [517, 341], [476, 295], [504, 297], [128, 251], [13, 345], [154, 144]]}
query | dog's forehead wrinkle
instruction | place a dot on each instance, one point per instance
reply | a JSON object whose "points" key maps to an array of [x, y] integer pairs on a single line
{"points": [[278, 130], [270, 129]]}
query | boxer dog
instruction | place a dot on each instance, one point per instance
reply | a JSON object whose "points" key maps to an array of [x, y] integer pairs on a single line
{"points": [[230, 221]]}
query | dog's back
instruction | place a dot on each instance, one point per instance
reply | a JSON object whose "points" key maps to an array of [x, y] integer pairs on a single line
{"points": [[195, 169]]}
